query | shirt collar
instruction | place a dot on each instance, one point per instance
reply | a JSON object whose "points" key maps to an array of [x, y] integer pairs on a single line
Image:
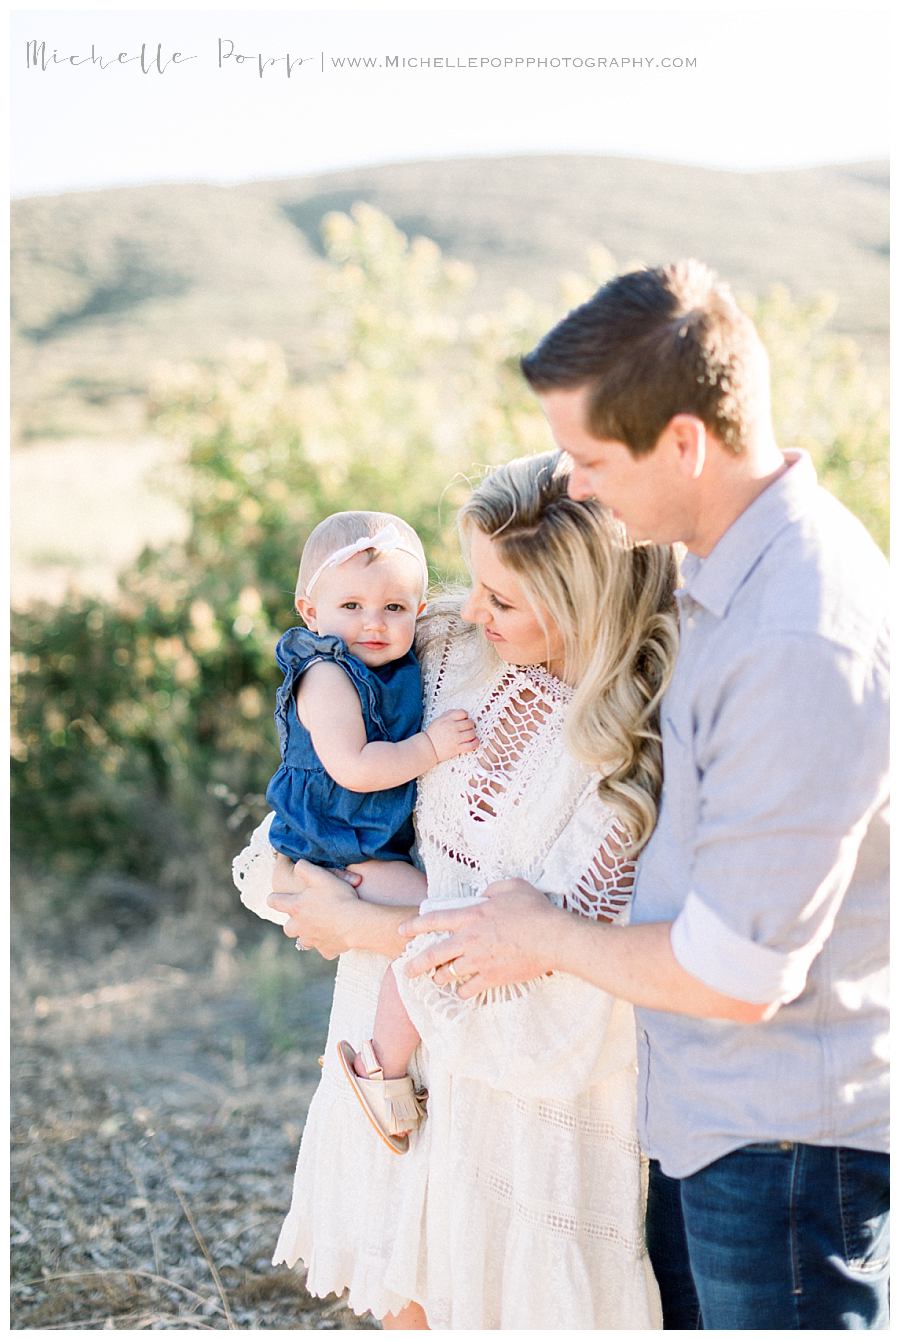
{"points": [[712, 582]]}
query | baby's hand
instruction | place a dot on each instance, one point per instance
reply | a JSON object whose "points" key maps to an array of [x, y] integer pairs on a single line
{"points": [[452, 734]]}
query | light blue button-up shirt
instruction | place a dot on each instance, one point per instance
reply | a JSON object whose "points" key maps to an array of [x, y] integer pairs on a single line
{"points": [[770, 856]]}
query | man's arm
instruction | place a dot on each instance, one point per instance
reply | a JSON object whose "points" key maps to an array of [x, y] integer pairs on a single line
{"points": [[790, 778], [517, 934]]}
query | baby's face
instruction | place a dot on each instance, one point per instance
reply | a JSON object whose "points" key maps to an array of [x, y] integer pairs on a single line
{"points": [[372, 603]]}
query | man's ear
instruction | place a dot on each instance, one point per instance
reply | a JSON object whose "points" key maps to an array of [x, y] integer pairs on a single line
{"points": [[686, 435], [307, 612]]}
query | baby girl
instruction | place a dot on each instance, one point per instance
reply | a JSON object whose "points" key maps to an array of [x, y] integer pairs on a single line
{"points": [[349, 717]]}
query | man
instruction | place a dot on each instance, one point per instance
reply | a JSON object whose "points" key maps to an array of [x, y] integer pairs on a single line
{"points": [[756, 953]]}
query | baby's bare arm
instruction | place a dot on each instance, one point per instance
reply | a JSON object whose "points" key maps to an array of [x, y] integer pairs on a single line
{"points": [[328, 706]]}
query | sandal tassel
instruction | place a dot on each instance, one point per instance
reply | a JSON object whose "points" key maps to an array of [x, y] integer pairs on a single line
{"points": [[403, 1113]]}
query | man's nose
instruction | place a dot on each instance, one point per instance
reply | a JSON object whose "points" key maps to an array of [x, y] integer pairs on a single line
{"points": [[374, 618]]}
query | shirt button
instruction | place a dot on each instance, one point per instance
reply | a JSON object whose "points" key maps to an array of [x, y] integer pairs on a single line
{"points": [[785, 1144]]}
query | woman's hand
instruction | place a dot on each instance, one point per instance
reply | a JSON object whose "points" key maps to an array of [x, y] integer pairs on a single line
{"points": [[508, 938], [319, 904]]}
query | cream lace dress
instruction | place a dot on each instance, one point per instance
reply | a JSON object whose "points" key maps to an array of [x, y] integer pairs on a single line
{"points": [[520, 1204]]}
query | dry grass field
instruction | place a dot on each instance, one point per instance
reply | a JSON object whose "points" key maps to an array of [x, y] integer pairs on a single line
{"points": [[82, 508], [160, 1080]]}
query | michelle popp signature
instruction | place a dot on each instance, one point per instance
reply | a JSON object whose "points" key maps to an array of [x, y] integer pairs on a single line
{"points": [[154, 58]]}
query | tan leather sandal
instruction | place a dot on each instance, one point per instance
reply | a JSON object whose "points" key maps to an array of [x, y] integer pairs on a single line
{"points": [[392, 1106]]}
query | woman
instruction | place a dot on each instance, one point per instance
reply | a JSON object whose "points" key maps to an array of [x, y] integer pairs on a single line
{"points": [[520, 1203]]}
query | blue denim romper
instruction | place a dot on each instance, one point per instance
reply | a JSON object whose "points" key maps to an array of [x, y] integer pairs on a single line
{"points": [[314, 817]]}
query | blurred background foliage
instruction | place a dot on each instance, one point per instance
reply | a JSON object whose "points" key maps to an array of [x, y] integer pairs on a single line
{"points": [[142, 732]]}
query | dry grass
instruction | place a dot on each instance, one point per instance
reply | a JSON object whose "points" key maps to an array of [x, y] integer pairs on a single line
{"points": [[83, 508], [154, 1125]]}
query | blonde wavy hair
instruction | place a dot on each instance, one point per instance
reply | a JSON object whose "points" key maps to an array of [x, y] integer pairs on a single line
{"points": [[612, 601]]}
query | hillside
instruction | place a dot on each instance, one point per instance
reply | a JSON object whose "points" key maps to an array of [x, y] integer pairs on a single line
{"points": [[107, 283]]}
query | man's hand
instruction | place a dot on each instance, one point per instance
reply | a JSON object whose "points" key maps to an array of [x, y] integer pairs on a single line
{"points": [[316, 902], [508, 938], [452, 733]]}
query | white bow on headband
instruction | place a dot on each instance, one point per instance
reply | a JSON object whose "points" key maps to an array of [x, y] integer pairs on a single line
{"points": [[387, 539]]}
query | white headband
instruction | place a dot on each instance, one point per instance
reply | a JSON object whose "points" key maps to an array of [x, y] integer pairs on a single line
{"points": [[387, 539]]}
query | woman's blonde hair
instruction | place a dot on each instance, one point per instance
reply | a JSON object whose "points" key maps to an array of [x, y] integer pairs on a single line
{"points": [[613, 603]]}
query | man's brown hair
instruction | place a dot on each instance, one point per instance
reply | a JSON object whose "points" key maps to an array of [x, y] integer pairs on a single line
{"points": [[654, 343]]}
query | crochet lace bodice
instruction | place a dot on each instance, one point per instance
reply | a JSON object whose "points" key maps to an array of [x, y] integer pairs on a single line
{"points": [[530, 809]]}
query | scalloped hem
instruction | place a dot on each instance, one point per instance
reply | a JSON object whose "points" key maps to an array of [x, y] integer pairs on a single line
{"points": [[332, 1281]]}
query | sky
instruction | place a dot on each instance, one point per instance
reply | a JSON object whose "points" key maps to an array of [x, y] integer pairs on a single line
{"points": [[787, 85]]}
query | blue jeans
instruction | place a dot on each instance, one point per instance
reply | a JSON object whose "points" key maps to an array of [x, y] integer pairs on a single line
{"points": [[776, 1236]]}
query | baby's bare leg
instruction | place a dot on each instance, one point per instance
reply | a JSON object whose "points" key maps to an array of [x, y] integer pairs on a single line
{"points": [[394, 883], [394, 1037]]}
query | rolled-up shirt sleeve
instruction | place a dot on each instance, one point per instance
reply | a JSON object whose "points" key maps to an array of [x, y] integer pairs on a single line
{"points": [[787, 783]]}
